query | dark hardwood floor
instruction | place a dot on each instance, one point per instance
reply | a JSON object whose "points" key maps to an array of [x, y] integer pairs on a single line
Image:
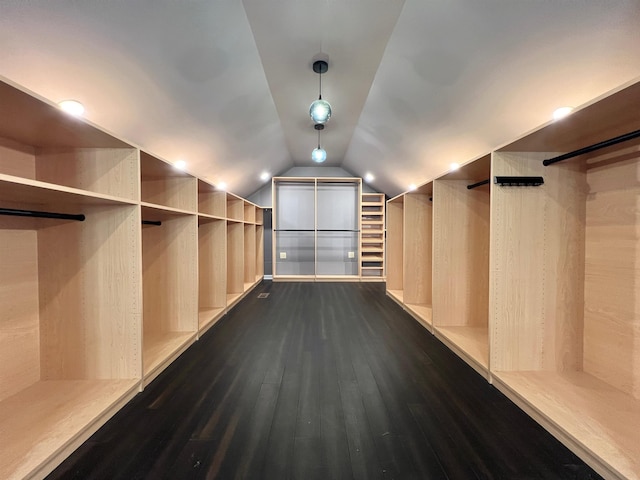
{"points": [[326, 381]]}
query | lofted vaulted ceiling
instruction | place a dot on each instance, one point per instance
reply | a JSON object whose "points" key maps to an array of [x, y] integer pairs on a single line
{"points": [[226, 84]]}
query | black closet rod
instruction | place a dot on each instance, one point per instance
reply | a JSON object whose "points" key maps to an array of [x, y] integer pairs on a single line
{"points": [[479, 184], [591, 148], [157, 223], [37, 214]]}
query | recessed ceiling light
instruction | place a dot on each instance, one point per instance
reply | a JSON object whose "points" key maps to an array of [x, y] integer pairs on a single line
{"points": [[412, 187], [180, 164], [222, 186], [368, 177], [72, 107], [561, 112], [264, 176], [454, 166]]}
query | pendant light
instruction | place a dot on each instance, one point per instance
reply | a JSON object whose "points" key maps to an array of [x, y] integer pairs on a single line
{"points": [[318, 155], [320, 110]]}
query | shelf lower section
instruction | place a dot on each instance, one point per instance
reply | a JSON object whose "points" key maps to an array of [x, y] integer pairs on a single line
{"points": [[598, 422], [160, 349], [469, 343], [208, 317], [422, 313], [44, 423], [397, 295]]}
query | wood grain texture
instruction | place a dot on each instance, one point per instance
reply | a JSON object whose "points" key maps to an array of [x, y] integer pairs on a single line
{"points": [[596, 420], [461, 254], [249, 253], [211, 201], [162, 184], [108, 171], [321, 380], [395, 244], [259, 251], [235, 207], [235, 258], [34, 121], [249, 212], [418, 241], [537, 267], [170, 263], [17, 159], [19, 313], [612, 273], [212, 266], [90, 296], [45, 422]]}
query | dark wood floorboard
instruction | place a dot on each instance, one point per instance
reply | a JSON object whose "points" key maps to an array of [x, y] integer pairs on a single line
{"points": [[327, 381]]}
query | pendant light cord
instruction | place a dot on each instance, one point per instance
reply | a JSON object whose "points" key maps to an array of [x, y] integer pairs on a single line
{"points": [[318, 139], [320, 96]]}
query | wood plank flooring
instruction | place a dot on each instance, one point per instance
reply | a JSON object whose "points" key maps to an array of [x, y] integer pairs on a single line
{"points": [[321, 381]]}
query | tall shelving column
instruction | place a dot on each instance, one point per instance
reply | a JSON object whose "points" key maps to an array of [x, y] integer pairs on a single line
{"points": [[70, 293], [395, 249], [461, 261], [564, 314], [169, 262], [372, 224], [212, 255]]}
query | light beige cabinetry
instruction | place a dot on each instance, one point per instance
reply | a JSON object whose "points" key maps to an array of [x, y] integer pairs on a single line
{"points": [[461, 221], [98, 300], [372, 224], [534, 283]]}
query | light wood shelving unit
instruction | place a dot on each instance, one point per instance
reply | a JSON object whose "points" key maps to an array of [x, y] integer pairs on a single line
{"points": [[417, 258], [91, 311], [395, 248], [536, 286], [372, 237], [461, 262], [212, 255]]}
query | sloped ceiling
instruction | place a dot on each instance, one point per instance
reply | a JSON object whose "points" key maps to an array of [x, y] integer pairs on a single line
{"points": [[226, 85]]}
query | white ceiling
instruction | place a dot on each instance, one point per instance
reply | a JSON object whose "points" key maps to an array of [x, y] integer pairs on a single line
{"points": [[226, 85]]}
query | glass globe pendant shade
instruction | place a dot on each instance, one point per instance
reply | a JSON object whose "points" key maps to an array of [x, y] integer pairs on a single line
{"points": [[318, 155], [320, 111]]}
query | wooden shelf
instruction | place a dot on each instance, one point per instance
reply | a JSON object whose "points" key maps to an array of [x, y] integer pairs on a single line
{"points": [[160, 348], [211, 201], [235, 207], [469, 343], [235, 258], [372, 236], [461, 262], [212, 270], [169, 264], [209, 316], [591, 417], [46, 421], [397, 295], [422, 313], [91, 311], [165, 186]]}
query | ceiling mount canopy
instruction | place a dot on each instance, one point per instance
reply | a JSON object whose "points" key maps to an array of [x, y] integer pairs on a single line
{"points": [[320, 110]]}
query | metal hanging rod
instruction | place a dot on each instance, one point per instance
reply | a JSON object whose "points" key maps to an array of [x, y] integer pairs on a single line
{"points": [[157, 223], [592, 148], [479, 184], [37, 214]]}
